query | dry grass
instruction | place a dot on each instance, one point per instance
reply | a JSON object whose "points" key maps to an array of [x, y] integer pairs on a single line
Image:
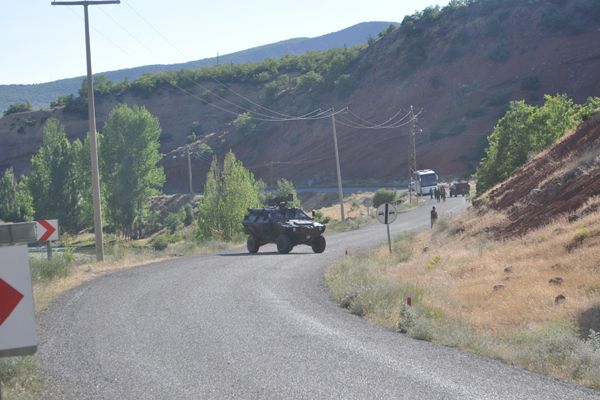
{"points": [[472, 264], [491, 297], [353, 207]]}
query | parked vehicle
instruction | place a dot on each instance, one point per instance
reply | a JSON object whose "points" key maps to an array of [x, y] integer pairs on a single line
{"points": [[426, 180], [287, 227], [462, 187]]}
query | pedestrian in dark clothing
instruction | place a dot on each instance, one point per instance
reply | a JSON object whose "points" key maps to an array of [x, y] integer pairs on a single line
{"points": [[437, 194], [433, 216], [443, 195], [431, 193]]}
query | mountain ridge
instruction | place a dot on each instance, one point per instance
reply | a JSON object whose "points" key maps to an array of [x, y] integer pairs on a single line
{"points": [[40, 95]]}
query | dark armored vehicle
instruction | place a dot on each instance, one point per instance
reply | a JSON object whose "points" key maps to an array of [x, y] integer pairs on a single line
{"points": [[287, 227], [461, 187]]}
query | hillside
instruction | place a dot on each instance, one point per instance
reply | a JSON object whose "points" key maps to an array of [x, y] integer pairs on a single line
{"points": [[560, 180], [41, 95], [461, 65], [513, 278]]}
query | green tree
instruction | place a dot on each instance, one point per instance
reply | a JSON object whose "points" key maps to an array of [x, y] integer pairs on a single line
{"points": [[15, 199], [558, 115], [17, 108], [383, 196], [129, 156], [286, 188], [52, 181], [244, 124], [228, 193]]}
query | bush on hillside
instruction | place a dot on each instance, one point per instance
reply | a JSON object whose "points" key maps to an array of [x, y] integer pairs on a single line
{"points": [[17, 108]]}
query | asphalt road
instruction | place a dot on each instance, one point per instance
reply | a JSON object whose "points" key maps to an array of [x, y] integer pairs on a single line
{"points": [[235, 326]]}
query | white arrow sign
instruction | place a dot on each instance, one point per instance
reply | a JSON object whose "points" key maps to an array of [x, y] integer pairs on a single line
{"points": [[46, 230]]}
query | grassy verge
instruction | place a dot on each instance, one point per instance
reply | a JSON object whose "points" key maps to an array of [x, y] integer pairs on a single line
{"points": [[491, 297], [20, 376]]}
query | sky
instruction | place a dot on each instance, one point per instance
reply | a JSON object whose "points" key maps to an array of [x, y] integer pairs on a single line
{"points": [[42, 43]]}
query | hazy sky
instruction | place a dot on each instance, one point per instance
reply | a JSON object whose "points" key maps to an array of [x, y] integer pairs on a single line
{"points": [[40, 42]]}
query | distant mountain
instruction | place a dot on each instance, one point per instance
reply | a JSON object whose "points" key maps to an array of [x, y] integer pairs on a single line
{"points": [[40, 95]]}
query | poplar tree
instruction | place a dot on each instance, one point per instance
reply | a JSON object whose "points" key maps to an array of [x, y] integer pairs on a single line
{"points": [[129, 156], [228, 193]]}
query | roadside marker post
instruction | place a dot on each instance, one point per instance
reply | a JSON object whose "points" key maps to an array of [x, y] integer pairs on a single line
{"points": [[47, 231], [386, 214]]}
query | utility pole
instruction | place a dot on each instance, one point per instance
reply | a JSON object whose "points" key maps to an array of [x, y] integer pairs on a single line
{"points": [[412, 153], [337, 165], [189, 164], [92, 122]]}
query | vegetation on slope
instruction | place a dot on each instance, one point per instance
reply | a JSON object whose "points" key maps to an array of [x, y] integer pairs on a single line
{"points": [[526, 130]]}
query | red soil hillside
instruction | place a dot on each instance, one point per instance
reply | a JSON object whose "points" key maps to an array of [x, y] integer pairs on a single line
{"points": [[558, 181]]}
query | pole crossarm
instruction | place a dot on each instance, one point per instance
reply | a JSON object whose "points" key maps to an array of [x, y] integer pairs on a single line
{"points": [[85, 3]]}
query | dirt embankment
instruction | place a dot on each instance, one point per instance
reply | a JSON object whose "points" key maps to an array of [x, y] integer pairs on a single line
{"points": [[558, 181]]}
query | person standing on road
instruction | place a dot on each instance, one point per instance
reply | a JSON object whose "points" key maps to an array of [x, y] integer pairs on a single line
{"points": [[431, 193], [433, 216]]}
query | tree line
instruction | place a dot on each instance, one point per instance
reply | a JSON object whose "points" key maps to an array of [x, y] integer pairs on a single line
{"points": [[59, 184]]}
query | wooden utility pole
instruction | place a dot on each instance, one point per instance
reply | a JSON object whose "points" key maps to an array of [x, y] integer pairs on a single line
{"points": [[189, 165], [412, 154], [92, 122], [337, 165]]}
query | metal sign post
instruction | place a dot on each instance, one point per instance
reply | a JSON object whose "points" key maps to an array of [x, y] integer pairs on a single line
{"points": [[386, 214]]}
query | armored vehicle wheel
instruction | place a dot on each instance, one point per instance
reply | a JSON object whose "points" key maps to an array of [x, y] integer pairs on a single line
{"points": [[318, 244], [284, 244], [252, 244]]}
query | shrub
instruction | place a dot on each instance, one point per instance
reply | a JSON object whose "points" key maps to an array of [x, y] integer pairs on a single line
{"points": [[244, 124], [59, 266], [383, 196], [189, 215], [17, 108], [310, 81], [173, 220], [160, 242]]}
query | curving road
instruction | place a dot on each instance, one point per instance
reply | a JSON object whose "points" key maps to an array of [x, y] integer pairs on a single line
{"points": [[234, 326]]}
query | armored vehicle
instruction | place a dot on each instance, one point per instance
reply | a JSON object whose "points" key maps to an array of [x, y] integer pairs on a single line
{"points": [[461, 187], [287, 227]]}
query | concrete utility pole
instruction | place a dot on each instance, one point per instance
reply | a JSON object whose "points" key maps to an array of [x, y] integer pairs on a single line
{"points": [[92, 122], [337, 165], [412, 153]]}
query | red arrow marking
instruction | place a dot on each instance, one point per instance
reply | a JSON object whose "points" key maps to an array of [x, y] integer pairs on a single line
{"points": [[9, 299], [49, 229]]}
